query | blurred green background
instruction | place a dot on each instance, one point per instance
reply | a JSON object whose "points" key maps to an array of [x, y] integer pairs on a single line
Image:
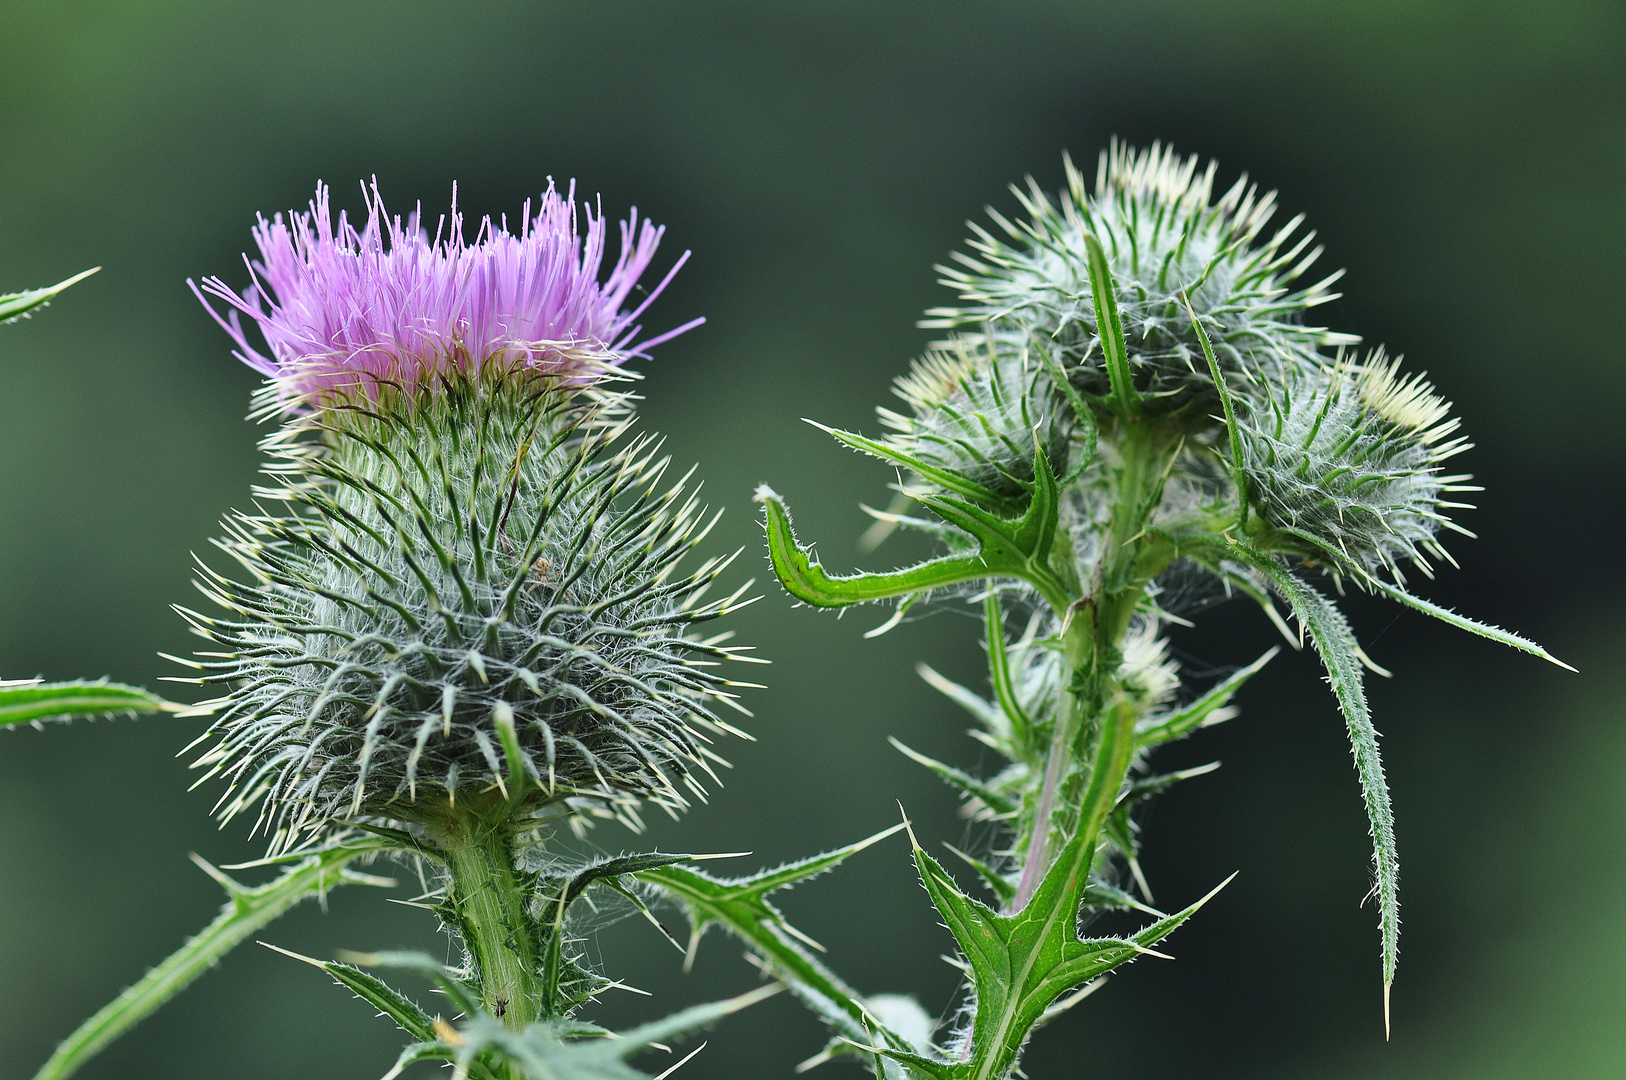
{"points": [[1464, 162]]}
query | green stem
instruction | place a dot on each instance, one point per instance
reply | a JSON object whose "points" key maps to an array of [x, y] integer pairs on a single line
{"points": [[1095, 632], [1115, 750], [490, 905], [1038, 850], [1075, 716]]}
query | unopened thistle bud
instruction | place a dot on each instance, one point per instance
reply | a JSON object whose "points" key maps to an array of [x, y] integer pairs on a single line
{"points": [[979, 414], [1164, 234], [1343, 465], [476, 586]]}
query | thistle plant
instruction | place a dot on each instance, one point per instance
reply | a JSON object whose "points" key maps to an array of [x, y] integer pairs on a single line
{"points": [[467, 616], [1132, 389]]}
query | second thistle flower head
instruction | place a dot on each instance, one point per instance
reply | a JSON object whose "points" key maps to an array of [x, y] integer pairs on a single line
{"points": [[474, 602], [344, 311], [979, 414], [1166, 237], [1344, 465]]}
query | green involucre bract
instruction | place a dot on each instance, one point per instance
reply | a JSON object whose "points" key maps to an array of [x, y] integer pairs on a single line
{"points": [[1344, 465], [478, 570], [1163, 233]]}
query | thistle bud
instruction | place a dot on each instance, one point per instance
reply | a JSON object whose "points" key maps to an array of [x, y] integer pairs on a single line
{"points": [[1164, 234], [474, 597], [1343, 464], [980, 415]]}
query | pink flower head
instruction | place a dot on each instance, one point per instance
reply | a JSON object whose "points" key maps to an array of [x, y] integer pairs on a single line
{"points": [[343, 310]]}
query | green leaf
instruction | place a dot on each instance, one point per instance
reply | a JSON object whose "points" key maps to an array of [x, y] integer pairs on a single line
{"points": [[1118, 829], [1162, 729], [246, 910], [26, 701], [1462, 622], [1082, 412], [1111, 330], [740, 905], [964, 781], [999, 671], [997, 883], [1021, 964], [807, 580], [943, 478], [457, 991], [424, 1051], [979, 709], [406, 1013], [1018, 548], [557, 969], [17, 305], [1101, 895], [1340, 655], [398, 1007], [548, 1050], [1148, 786]]}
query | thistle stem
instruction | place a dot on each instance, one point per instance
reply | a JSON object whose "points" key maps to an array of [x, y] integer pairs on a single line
{"points": [[489, 903], [1038, 855]]}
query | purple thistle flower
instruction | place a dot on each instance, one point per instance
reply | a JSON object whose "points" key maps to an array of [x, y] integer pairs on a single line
{"points": [[344, 310]]}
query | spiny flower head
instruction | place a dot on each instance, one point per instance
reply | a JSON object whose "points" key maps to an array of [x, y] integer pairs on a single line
{"points": [[1343, 464], [1164, 234], [345, 311], [980, 414], [474, 592]]}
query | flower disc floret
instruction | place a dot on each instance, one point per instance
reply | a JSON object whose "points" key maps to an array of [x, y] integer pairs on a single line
{"points": [[345, 311]]}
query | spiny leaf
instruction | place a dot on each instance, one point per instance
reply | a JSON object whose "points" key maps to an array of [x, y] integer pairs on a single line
{"points": [[406, 1013], [807, 580], [614, 868], [1340, 656], [552, 1050], [1462, 622], [1239, 475], [1016, 548], [246, 910], [29, 700], [741, 906], [1151, 785], [1162, 729], [1102, 895], [1021, 963], [964, 781], [943, 478], [996, 882], [1083, 415], [423, 964], [965, 699], [424, 1051], [17, 305], [1000, 672], [557, 969]]}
